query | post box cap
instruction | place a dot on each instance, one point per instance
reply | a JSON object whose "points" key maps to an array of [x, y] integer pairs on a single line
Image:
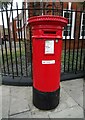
{"points": [[47, 20]]}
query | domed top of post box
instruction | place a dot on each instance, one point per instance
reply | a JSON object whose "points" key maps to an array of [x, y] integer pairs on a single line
{"points": [[48, 20]]}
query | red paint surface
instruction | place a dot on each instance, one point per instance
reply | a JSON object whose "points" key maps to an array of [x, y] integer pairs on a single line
{"points": [[46, 77]]}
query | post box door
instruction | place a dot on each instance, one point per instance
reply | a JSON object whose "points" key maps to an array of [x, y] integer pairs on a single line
{"points": [[46, 64]]}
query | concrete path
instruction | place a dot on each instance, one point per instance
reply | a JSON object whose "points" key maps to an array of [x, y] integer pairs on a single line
{"points": [[17, 102]]}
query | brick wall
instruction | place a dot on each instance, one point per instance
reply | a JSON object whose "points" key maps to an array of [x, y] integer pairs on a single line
{"points": [[75, 6], [57, 12]]}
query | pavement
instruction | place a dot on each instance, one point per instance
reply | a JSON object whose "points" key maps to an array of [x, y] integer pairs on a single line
{"points": [[16, 102]]}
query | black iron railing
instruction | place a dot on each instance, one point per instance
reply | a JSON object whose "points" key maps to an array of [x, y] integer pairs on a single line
{"points": [[17, 51]]}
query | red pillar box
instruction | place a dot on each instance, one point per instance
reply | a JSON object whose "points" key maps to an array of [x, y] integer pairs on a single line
{"points": [[46, 47]]}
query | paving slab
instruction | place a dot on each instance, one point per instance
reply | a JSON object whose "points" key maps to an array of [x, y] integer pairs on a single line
{"points": [[5, 101], [19, 102], [0, 95], [0, 102], [5, 90], [19, 90], [5, 107], [25, 114], [40, 114], [30, 115], [30, 99], [75, 89], [0, 78], [65, 101], [84, 98], [74, 112]]}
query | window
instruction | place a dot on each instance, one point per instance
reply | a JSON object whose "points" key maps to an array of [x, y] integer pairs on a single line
{"points": [[69, 29], [82, 28]]}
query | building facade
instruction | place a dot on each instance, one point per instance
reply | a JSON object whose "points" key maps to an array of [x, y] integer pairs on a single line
{"points": [[75, 30]]}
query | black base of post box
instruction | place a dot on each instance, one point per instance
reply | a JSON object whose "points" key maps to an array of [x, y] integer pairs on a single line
{"points": [[46, 100]]}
